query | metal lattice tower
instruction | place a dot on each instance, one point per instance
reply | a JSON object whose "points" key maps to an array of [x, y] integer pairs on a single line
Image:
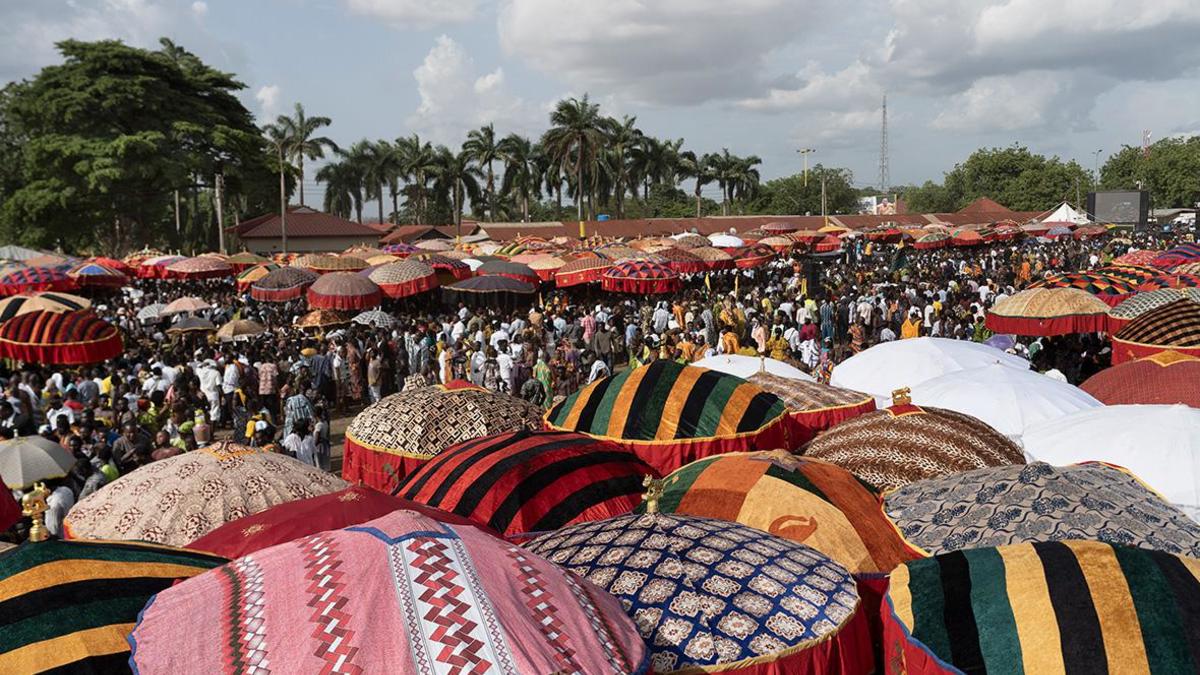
{"points": [[885, 172]]}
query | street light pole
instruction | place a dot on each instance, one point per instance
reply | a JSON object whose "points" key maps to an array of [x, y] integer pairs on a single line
{"points": [[805, 152]]}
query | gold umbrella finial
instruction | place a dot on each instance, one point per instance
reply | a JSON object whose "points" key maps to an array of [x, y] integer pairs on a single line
{"points": [[33, 504], [654, 492], [902, 396]]}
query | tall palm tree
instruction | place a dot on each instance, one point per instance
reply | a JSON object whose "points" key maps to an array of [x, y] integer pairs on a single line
{"points": [[574, 139], [724, 172], [654, 162], [745, 178], [622, 136], [277, 137], [482, 149], [696, 168], [458, 179], [371, 159], [343, 188], [521, 177], [300, 130], [418, 164]]}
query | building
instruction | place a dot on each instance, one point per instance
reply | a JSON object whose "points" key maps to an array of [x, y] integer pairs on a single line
{"points": [[308, 231]]}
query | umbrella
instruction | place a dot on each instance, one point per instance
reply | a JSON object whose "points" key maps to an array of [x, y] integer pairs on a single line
{"points": [[1135, 274], [1112, 290], [813, 407], [156, 267], [404, 593], [1175, 326], [18, 253], [828, 245], [779, 226], [1007, 399], [321, 318], [253, 273], [363, 252], [1048, 607], [640, 277], [485, 291], [323, 264], [753, 256], [1005, 505], [63, 338], [400, 249], [682, 260], [374, 318], [751, 236], [889, 366], [895, 446], [185, 305], [745, 366], [97, 275], [50, 260], [177, 500], [69, 605], [404, 278], [343, 290], [707, 594], [1089, 231], [581, 271], [1141, 303], [509, 269], [137, 258], [932, 240], [245, 259], [1187, 268], [34, 279], [112, 264], [393, 437], [1179, 255], [1170, 281], [1001, 341], [282, 285], [547, 266], [240, 329], [15, 305], [616, 252], [292, 520], [713, 258], [1159, 443], [670, 414], [1047, 312], [690, 240], [382, 259], [1166, 377], [1136, 258], [435, 245], [201, 267], [151, 312], [448, 270], [523, 481], [192, 324], [725, 241], [29, 459]]}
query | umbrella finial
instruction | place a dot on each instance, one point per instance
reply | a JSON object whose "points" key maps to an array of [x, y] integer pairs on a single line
{"points": [[902, 396], [654, 491], [33, 504], [762, 364]]}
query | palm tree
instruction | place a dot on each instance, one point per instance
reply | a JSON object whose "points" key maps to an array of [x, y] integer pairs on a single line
{"points": [[458, 179], [418, 164], [301, 143], [745, 178], [622, 136], [343, 188], [651, 161], [574, 139], [277, 137], [724, 170], [521, 178], [372, 161], [698, 169], [481, 148]]}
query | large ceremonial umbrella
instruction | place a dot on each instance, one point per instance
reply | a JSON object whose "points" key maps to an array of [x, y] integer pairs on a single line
{"points": [[888, 366], [321, 318], [745, 366], [192, 324], [1110, 289], [753, 256], [1047, 312], [524, 482], [29, 459], [512, 270], [94, 275], [670, 414], [448, 270], [324, 264], [292, 520], [282, 285], [895, 446], [136, 258], [63, 338], [156, 267], [640, 277], [1047, 607], [1166, 377], [581, 271], [780, 244], [1179, 255], [546, 266], [343, 290], [435, 245], [382, 259], [112, 264], [403, 593], [1175, 326], [1169, 281], [932, 240], [18, 253], [1187, 268], [68, 606], [185, 305], [690, 240], [374, 318], [1141, 303], [393, 437], [1135, 274], [1158, 443], [682, 260], [1005, 505], [713, 258], [1145, 257], [725, 241], [150, 313], [813, 407], [1007, 399], [964, 237], [250, 274], [177, 500], [245, 259], [200, 267], [15, 305], [404, 278], [240, 329], [34, 279], [490, 291], [400, 249], [711, 596]]}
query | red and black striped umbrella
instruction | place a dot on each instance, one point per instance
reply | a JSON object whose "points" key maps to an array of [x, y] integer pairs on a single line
{"points": [[66, 338], [640, 276], [343, 290], [34, 279]]}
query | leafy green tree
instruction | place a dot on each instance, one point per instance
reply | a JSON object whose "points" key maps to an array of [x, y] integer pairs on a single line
{"points": [[790, 195], [1170, 171], [696, 168], [623, 136], [521, 176], [418, 165], [1014, 176], [343, 188], [928, 198]]}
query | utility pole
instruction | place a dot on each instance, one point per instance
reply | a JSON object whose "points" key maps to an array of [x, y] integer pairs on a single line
{"points": [[219, 185], [805, 152], [824, 213], [885, 170], [178, 229]]}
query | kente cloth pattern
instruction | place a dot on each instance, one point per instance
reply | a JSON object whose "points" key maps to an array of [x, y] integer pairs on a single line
{"points": [[512, 270], [282, 285], [1047, 607], [893, 447], [178, 500], [706, 592], [797, 498], [403, 593], [523, 482], [76, 337], [1048, 311], [640, 276], [814, 407], [1144, 302], [1109, 289], [1179, 255], [1166, 377], [343, 290], [1134, 274], [1173, 325], [1144, 257], [30, 279], [1187, 268], [1005, 505], [1170, 281], [68, 606]]}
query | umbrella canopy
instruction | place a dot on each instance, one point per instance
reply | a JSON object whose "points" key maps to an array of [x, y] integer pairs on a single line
{"points": [[827, 245], [321, 318], [895, 446], [1169, 281], [670, 414], [581, 271], [1136, 258], [1175, 326], [745, 366], [374, 318], [64, 338], [393, 437], [713, 258], [137, 258], [512, 270], [1047, 312], [292, 520], [932, 240], [240, 329], [888, 366], [707, 594], [343, 290], [1179, 255], [112, 264], [192, 324], [151, 312], [244, 259], [96, 275], [448, 270], [1134, 274], [282, 285], [691, 240], [1159, 443], [185, 305], [964, 237], [1007, 399], [15, 305], [201, 267], [177, 500], [18, 253], [1187, 268], [156, 267], [1006, 505], [250, 274], [726, 241], [435, 245], [524, 482], [779, 226], [324, 264], [68, 606], [400, 249], [813, 407], [616, 253], [641, 277], [1141, 303], [382, 259], [681, 260], [364, 252], [34, 279], [1166, 377], [798, 498], [403, 593], [28, 459], [487, 291], [780, 244], [546, 266], [1110, 289], [1050, 607], [753, 256]]}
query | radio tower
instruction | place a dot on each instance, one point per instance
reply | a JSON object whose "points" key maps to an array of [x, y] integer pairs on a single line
{"points": [[885, 174]]}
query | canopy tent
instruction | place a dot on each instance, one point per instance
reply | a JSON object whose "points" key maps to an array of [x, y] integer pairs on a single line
{"points": [[1175, 327], [1065, 214], [1163, 378], [813, 407], [512, 270], [404, 278], [1111, 289], [282, 285], [63, 338], [581, 271], [1139, 304], [745, 366], [1048, 312], [343, 291]]}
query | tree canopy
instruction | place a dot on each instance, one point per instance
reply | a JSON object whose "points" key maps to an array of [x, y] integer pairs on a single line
{"points": [[1170, 171], [1014, 176]]}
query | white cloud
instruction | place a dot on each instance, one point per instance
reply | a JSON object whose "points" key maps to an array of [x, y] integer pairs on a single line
{"points": [[200, 9], [851, 88], [268, 101], [415, 13]]}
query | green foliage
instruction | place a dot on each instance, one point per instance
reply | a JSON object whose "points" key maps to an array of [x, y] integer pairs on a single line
{"points": [[790, 195], [1014, 176], [1171, 172]]}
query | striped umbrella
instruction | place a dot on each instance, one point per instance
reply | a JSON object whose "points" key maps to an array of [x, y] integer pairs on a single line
{"points": [[200, 267], [282, 285], [1175, 326], [1187, 268], [1163, 378], [640, 277], [512, 270], [581, 271], [93, 274], [1179, 255], [34, 279], [404, 278], [15, 305], [253, 273], [1137, 305], [62, 338]]}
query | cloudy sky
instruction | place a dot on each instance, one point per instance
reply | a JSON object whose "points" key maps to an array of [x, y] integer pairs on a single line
{"points": [[757, 76]]}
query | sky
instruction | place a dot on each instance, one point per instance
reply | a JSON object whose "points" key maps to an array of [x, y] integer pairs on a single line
{"points": [[763, 77]]}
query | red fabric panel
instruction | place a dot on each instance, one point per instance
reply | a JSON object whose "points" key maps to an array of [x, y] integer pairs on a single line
{"points": [[1128, 351], [10, 510], [364, 466], [403, 290], [1059, 325], [280, 295], [68, 354], [806, 425], [320, 301], [640, 286], [846, 653]]}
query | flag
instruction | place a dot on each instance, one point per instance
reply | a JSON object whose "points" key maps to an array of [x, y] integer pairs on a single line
{"points": [[708, 281]]}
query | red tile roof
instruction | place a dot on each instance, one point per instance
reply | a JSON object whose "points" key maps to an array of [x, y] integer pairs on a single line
{"points": [[409, 233], [303, 222], [983, 205]]}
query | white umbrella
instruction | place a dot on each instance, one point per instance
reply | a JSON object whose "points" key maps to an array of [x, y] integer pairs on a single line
{"points": [[150, 312], [472, 263], [745, 366], [27, 460], [1008, 399], [725, 241], [889, 366], [375, 319], [1158, 443]]}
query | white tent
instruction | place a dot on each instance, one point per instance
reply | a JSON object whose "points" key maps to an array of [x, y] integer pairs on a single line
{"points": [[725, 241], [745, 366], [1065, 213]]}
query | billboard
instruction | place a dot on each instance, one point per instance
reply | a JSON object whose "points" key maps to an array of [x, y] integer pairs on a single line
{"points": [[877, 206], [1121, 207]]}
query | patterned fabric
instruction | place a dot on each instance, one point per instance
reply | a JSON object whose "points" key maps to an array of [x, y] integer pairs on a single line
{"points": [[245, 258], [15, 305], [1187, 268], [615, 252], [343, 290], [374, 318], [802, 395], [804, 500], [522, 482], [893, 447], [283, 278], [1181, 254], [201, 267], [753, 255], [400, 249], [705, 592], [404, 271], [1045, 303], [640, 269], [1144, 302], [681, 260], [1134, 274], [933, 240], [70, 605], [1050, 607], [329, 263], [1164, 378], [403, 593], [1105, 287], [1170, 281], [1137, 258], [1173, 325], [581, 271], [321, 318], [59, 337], [691, 241], [254, 273], [177, 500], [95, 274], [30, 279], [1017, 504]]}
